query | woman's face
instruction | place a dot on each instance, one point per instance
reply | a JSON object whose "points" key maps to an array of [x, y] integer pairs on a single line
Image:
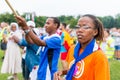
{"points": [[86, 30], [13, 27]]}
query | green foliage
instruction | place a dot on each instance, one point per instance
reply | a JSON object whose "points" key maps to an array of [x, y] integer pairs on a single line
{"points": [[69, 20], [117, 21], [62, 18], [108, 21], [40, 21], [7, 17]]}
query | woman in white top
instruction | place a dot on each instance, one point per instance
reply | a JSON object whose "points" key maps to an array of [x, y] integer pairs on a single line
{"points": [[12, 60]]}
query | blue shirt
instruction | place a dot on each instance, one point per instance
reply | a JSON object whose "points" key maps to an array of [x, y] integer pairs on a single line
{"points": [[49, 56], [62, 41], [31, 58]]}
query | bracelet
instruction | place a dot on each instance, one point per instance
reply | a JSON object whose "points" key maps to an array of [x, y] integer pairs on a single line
{"points": [[27, 31]]}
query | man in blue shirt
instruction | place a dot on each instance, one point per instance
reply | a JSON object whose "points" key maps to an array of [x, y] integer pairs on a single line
{"points": [[50, 46]]}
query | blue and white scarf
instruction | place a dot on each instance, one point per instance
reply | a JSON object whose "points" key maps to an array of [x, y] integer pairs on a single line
{"points": [[90, 48]]}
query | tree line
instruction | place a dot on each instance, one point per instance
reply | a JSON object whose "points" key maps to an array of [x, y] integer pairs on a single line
{"points": [[108, 21]]}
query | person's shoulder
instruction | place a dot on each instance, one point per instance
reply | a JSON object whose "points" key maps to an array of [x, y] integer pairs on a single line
{"points": [[98, 52], [55, 36], [99, 55]]}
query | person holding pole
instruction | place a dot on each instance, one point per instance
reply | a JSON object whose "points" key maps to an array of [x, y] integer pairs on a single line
{"points": [[49, 46]]}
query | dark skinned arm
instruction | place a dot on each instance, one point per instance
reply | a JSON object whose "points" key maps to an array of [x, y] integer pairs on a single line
{"points": [[29, 40], [35, 39], [30, 36]]}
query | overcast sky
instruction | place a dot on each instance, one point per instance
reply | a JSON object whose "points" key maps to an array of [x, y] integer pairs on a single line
{"points": [[63, 7]]}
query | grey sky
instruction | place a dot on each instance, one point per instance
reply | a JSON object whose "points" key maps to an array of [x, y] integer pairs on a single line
{"points": [[64, 7]]}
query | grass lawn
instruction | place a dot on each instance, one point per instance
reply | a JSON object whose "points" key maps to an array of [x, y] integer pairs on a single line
{"points": [[4, 76], [114, 70]]}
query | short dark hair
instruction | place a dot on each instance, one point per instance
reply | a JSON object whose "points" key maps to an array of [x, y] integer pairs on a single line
{"points": [[108, 31], [98, 25], [64, 24], [56, 21]]}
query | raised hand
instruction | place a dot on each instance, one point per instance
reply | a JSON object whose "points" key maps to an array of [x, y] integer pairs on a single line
{"points": [[22, 22]]}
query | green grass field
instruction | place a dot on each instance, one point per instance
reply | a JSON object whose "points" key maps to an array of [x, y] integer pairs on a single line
{"points": [[114, 70], [4, 76]]}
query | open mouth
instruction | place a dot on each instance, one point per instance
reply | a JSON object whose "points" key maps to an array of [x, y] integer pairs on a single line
{"points": [[79, 36]]}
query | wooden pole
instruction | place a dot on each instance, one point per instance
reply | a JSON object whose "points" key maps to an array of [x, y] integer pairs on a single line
{"points": [[14, 12]]}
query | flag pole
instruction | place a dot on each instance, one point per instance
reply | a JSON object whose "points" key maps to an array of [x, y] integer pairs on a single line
{"points": [[14, 12]]}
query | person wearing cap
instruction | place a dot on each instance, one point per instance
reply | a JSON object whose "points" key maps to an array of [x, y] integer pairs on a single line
{"points": [[31, 59], [33, 26]]}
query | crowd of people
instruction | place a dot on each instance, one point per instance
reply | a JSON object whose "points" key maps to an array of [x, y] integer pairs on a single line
{"points": [[35, 53]]}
